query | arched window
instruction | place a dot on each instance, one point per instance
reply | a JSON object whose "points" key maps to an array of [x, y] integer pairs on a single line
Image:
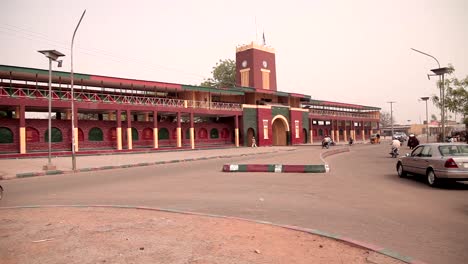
{"points": [[163, 133], [6, 136], [95, 134], [320, 132], [147, 134], [202, 133], [56, 135], [134, 134], [214, 133], [32, 135]]}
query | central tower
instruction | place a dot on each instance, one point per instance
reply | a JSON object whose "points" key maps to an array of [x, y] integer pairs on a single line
{"points": [[255, 67]]}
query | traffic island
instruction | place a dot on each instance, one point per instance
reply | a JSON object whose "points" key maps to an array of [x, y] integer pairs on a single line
{"points": [[278, 168]]}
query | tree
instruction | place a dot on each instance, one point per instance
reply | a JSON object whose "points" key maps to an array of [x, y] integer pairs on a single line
{"points": [[224, 75], [433, 117], [385, 119], [456, 94]]}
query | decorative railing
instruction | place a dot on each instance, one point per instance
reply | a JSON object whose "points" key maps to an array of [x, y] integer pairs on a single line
{"points": [[374, 115], [97, 97]]}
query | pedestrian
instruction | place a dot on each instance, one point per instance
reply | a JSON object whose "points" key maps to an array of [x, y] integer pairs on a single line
{"points": [[254, 144], [378, 138]]}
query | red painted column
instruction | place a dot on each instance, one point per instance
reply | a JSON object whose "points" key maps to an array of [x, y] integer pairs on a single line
{"points": [[155, 130], [129, 130]]}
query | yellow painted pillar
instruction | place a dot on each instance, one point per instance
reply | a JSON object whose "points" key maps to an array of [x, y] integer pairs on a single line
{"points": [[155, 130], [118, 130], [192, 137], [236, 130], [146, 117], [76, 138], [21, 110], [179, 131], [119, 138], [111, 116], [332, 132], [338, 135], [68, 114], [363, 134], [179, 137], [155, 138], [129, 129], [22, 140], [129, 138], [192, 131], [345, 134]]}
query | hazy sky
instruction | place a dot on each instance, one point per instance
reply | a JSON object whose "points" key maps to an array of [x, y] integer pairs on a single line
{"points": [[346, 51]]}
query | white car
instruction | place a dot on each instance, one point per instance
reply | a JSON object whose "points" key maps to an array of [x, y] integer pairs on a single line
{"points": [[437, 162]]}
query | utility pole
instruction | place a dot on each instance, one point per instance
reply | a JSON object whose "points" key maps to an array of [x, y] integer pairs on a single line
{"points": [[391, 114]]}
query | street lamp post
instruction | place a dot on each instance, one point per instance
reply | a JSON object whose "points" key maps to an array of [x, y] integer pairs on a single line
{"points": [[72, 97], [391, 114], [427, 119], [52, 55], [441, 72]]}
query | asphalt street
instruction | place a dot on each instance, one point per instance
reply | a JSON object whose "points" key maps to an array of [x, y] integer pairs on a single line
{"points": [[362, 197]]}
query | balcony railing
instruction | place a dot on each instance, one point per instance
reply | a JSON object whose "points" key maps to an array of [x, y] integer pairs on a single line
{"points": [[97, 97], [374, 115]]}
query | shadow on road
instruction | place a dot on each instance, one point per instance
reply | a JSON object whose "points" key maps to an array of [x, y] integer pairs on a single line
{"points": [[418, 179]]}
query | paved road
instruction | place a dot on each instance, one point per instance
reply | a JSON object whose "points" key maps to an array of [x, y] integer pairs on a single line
{"points": [[362, 198]]}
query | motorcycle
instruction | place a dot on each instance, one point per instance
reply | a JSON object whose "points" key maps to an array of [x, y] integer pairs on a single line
{"points": [[394, 152], [326, 144]]}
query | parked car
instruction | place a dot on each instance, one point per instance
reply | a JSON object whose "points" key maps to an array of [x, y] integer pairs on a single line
{"points": [[437, 162], [400, 136]]}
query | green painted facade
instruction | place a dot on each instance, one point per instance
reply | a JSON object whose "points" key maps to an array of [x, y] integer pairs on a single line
{"points": [[284, 111], [44, 72], [249, 120], [305, 123]]}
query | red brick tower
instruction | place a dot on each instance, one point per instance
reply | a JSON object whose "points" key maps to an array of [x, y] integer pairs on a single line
{"points": [[255, 67]]}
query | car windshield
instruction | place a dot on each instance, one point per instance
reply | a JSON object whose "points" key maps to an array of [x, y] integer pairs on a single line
{"points": [[454, 150]]}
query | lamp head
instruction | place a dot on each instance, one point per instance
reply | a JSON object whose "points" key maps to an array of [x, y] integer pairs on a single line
{"points": [[59, 64]]}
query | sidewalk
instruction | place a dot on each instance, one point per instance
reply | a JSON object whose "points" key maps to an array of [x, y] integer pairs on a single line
{"points": [[18, 168]]}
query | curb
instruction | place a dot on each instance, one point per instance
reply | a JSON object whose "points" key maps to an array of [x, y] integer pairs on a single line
{"points": [[285, 168], [142, 164], [278, 168], [347, 240]]}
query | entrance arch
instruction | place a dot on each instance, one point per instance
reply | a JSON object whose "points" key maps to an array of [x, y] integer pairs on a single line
{"points": [[280, 129], [304, 136], [250, 134]]}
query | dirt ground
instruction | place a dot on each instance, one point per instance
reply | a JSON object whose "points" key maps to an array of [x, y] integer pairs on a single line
{"points": [[116, 235]]}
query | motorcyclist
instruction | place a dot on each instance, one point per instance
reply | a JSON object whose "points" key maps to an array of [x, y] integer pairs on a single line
{"points": [[396, 144], [326, 141]]}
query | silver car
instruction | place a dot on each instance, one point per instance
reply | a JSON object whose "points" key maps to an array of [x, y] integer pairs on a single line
{"points": [[436, 161]]}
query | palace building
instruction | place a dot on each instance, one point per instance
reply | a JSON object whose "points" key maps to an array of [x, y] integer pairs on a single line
{"points": [[120, 114]]}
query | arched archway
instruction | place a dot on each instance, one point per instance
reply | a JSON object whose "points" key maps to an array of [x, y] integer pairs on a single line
{"points": [[280, 129], [250, 134], [304, 135]]}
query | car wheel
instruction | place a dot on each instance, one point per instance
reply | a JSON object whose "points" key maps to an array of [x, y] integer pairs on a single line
{"points": [[402, 173], [432, 179]]}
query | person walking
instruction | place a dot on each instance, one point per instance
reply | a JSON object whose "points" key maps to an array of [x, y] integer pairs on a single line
{"points": [[254, 144]]}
